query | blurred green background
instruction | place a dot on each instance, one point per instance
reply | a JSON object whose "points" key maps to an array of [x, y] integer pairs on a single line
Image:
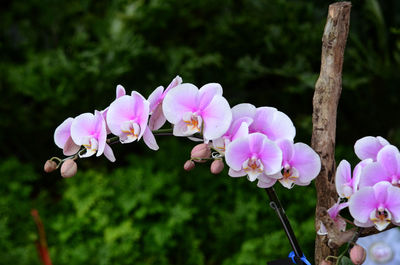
{"points": [[62, 58]]}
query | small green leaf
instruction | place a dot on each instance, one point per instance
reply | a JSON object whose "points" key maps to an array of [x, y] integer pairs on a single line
{"points": [[345, 261]]}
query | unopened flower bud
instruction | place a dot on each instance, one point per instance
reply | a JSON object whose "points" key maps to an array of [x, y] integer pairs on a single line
{"points": [[189, 165], [217, 166], [50, 166], [200, 153], [325, 262], [358, 254], [68, 168]]}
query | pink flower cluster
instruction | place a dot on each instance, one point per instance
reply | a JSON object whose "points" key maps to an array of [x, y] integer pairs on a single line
{"points": [[372, 189], [255, 142]]}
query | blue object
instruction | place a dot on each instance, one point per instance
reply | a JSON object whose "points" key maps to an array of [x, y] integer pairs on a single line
{"points": [[291, 255]]}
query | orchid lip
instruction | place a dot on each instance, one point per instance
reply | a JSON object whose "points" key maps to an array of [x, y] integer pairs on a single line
{"points": [[193, 122], [91, 144], [130, 130], [253, 167], [289, 176], [381, 217]]}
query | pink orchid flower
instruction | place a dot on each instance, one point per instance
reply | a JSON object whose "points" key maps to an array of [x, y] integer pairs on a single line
{"points": [[376, 206], [194, 110], [346, 185], [386, 168], [275, 124], [90, 131], [300, 165], [127, 118], [369, 146], [157, 118], [62, 138], [253, 155], [333, 212]]}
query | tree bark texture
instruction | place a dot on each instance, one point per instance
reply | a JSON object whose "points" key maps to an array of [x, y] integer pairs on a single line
{"points": [[326, 97]]}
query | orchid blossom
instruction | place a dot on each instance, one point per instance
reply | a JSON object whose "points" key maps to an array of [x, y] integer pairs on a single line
{"points": [[300, 165], [376, 206], [157, 118], [346, 185], [90, 131], [333, 212], [127, 118], [253, 155], [119, 92], [386, 168], [192, 110], [62, 138]]}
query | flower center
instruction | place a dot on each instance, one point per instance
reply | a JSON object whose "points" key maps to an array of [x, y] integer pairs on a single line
{"points": [[130, 130], [253, 167], [91, 144], [381, 217], [289, 176], [193, 122]]}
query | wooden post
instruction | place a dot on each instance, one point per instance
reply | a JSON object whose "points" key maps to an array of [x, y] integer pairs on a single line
{"points": [[326, 97]]}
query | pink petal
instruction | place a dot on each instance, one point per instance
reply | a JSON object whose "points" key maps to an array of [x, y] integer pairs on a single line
{"points": [[342, 177], [84, 125], [217, 117], [287, 148], [157, 119], [243, 110], [237, 152], [362, 203], [381, 192], [274, 124], [141, 111], [389, 158], [372, 174], [264, 181], [175, 82], [306, 161], [70, 148], [207, 93], [393, 202], [149, 139], [180, 100], [63, 132], [271, 156], [120, 110], [236, 174], [236, 124], [242, 131], [120, 91], [100, 132], [155, 98], [368, 147], [108, 153], [357, 172]]}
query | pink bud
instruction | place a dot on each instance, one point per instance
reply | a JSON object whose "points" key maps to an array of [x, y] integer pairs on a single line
{"points": [[217, 166], [200, 152], [189, 165], [50, 166], [358, 254], [325, 262], [68, 168]]}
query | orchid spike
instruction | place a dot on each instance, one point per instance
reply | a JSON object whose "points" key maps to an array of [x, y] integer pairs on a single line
{"points": [[333, 212], [386, 168], [157, 118], [346, 185], [376, 206], [127, 118], [300, 165], [275, 124], [90, 131], [62, 138], [369, 146], [192, 110], [253, 155]]}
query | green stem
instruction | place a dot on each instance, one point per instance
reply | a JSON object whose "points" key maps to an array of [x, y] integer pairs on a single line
{"points": [[351, 243]]}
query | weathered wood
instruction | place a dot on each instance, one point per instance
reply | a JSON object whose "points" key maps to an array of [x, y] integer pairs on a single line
{"points": [[326, 97]]}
